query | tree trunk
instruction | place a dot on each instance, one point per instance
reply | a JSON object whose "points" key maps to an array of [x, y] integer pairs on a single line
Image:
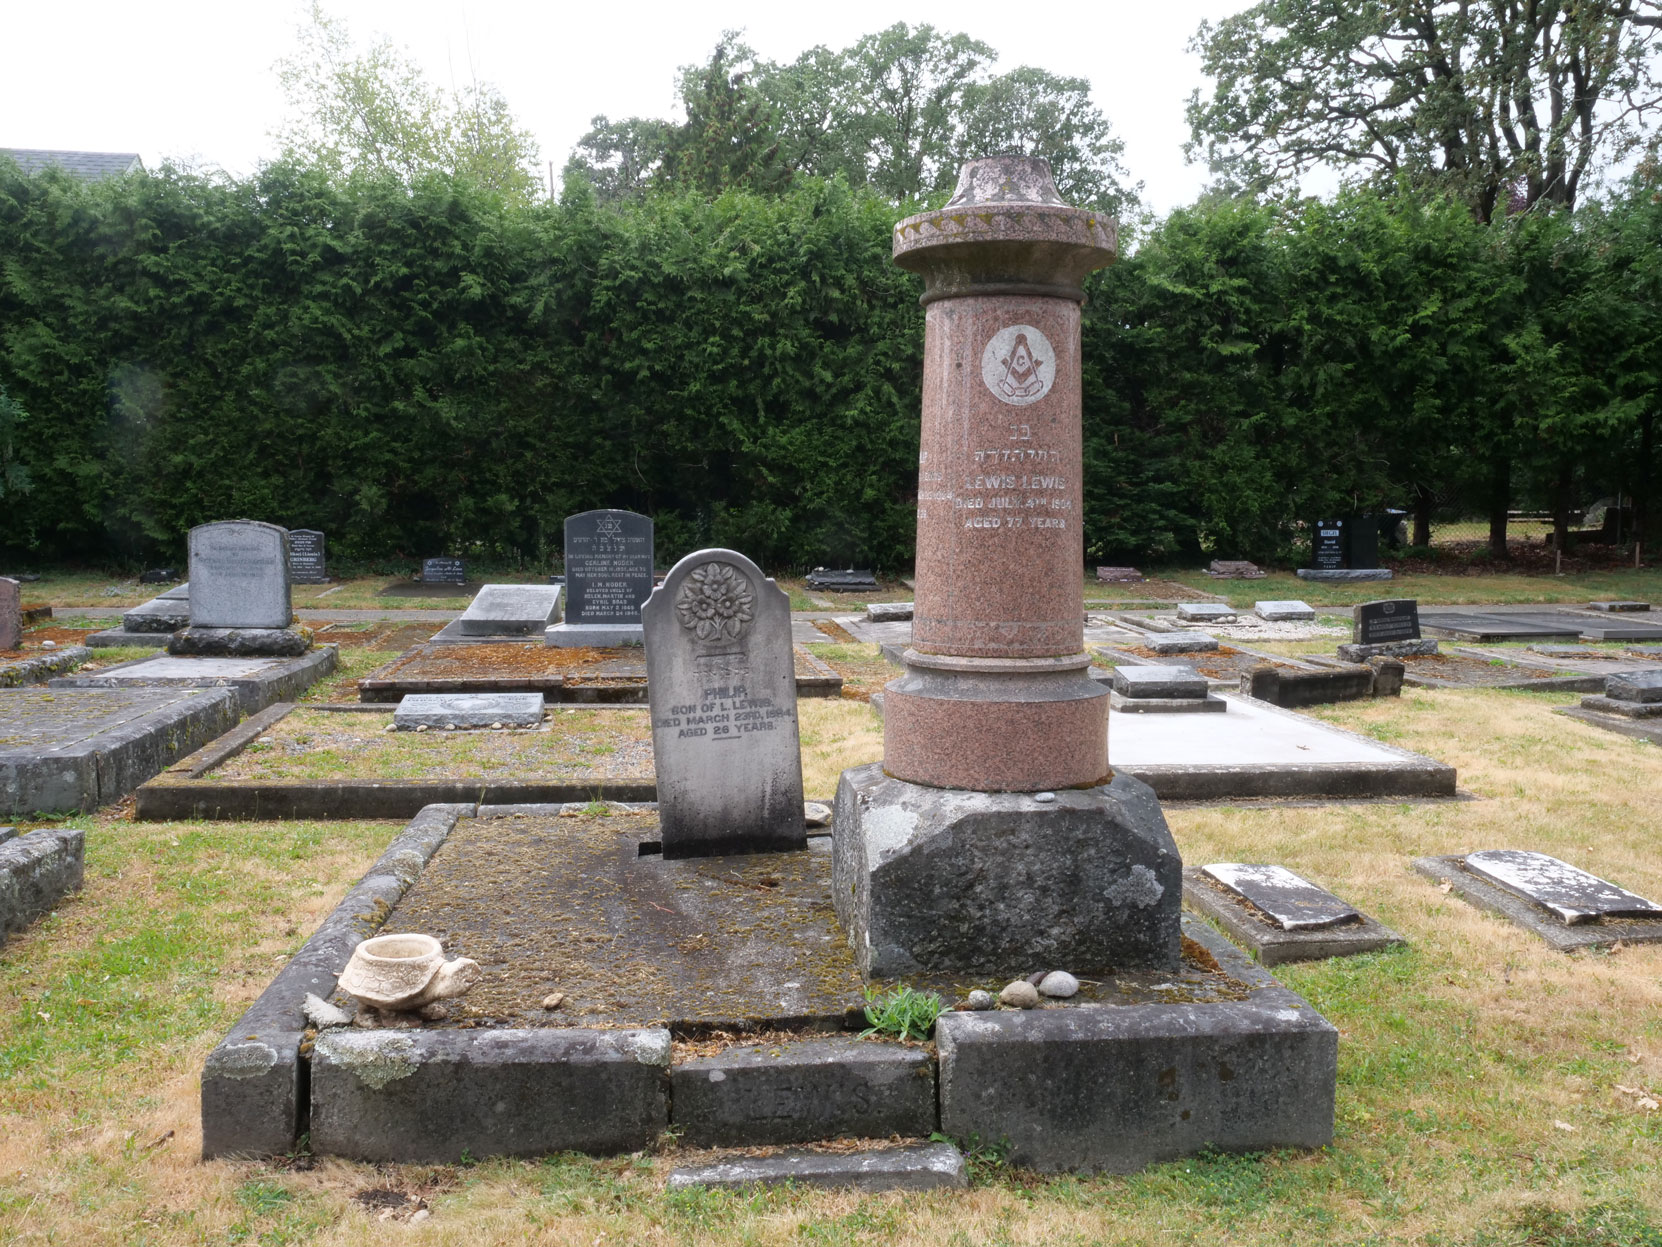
{"points": [[1500, 501], [1561, 508], [1422, 518]]}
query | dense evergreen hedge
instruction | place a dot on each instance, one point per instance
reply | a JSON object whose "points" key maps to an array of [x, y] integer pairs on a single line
{"points": [[433, 371]]}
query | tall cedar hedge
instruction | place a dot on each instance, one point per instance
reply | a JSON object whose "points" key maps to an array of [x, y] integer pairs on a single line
{"points": [[429, 370]]}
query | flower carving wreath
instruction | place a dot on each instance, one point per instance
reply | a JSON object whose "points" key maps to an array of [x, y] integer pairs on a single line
{"points": [[715, 602]]}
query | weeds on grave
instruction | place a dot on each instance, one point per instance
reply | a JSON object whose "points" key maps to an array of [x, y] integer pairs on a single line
{"points": [[985, 1161], [901, 1013]]}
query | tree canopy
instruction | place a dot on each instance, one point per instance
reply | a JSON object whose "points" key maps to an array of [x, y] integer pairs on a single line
{"points": [[1501, 103]]}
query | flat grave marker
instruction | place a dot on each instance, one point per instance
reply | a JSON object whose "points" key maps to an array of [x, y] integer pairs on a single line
{"points": [[723, 695], [307, 563], [1292, 903], [1119, 575], [443, 571], [239, 576], [1206, 612], [468, 710], [1276, 612], [850, 580], [1281, 916], [1566, 891], [1235, 569], [511, 610]]}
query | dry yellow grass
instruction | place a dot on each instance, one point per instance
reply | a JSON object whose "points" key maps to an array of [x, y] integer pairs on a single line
{"points": [[1480, 1096]]}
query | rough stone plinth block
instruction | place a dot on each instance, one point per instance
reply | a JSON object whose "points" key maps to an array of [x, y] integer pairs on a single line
{"points": [[1634, 686], [251, 1085], [1292, 689], [158, 615], [511, 610], [1386, 649], [236, 642], [436, 1096], [921, 1167], [1292, 609], [1117, 1088], [36, 872], [932, 879], [468, 710], [1627, 709], [1159, 680], [832, 1088]]}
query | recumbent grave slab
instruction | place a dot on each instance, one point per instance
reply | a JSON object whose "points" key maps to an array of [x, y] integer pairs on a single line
{"points": [[1279, 916], [1566, 906], [511, 610], [468, 710], [722, 686]]}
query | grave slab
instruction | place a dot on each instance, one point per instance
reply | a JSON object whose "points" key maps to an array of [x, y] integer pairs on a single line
{"points": [[1180, 642], [798, 1092], [720, 679], [77, 749], [1166, 705], [1562, 936], [1292, 903], [511, 610], [1159, 680], [239, 576], [1474, 627], [1564, 890], [1235, 569], [1599, 630], [1119, 575], [1618, 606], [468, 710], [36, 872], [1270, 942], [257, 682], [179, 592], [1626, 709], [1206, 612], [920, 1167], [113, 638], [1286, 609], [1343, 575], [1115, 1089], [1622, 725], [850, 580], [1634, 686], [16, 672]]}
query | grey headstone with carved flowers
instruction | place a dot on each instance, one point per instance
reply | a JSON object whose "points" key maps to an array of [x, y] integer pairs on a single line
{"points": [[721, 680]]}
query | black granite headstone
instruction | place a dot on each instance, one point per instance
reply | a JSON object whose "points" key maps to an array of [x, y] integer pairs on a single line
{"points": [[1328, 553], [1380, 623], [853, 580], [608, 567], [1361, 541], [443, 572], [306, 557]]}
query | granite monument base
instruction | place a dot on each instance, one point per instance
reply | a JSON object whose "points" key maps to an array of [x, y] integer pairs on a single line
{"points": [[241, 642], [932, 880], [597, 636]]}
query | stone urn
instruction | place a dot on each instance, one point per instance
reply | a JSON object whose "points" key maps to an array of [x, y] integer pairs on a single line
{"points": [[405, 973]]}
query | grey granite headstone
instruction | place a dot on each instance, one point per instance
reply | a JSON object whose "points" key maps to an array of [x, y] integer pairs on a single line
{"points": [[239, 575], [721, 680], [1381, 623], [511, 610], [442, 710], [608, 567], [1564, 890], [1293, 903], [1274, 611], [307, 563], [1635, 686], [11, 614], [1206, 612]]}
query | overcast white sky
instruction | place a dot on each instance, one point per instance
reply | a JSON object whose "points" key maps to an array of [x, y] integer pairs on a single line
{"points": [[194, 79]]}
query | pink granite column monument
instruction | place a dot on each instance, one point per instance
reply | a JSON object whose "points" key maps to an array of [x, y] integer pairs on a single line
{"points": [[994, 835]]}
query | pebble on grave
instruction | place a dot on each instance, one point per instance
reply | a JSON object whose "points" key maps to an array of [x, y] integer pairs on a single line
{"points": [[1280, 916], [468, 710], [721, 681]]}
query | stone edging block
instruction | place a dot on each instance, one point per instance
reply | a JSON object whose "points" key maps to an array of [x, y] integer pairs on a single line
{"points": [[36, 872]]}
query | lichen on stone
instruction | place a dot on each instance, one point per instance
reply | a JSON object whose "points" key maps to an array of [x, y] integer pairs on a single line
{"points": [[376, 1059]]}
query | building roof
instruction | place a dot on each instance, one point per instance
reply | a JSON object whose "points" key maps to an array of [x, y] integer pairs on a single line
{"points": [[88, 166]]}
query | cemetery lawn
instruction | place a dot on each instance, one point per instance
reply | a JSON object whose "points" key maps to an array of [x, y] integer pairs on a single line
{"points": [[1644, 585], [1491, 1091]]}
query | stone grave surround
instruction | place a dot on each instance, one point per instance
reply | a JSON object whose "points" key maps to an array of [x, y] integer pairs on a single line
{"points": [[993, 812], [721, 681], [608, 562], [11, 614]]}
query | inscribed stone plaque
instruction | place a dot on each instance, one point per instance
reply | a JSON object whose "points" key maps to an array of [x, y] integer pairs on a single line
{"points": [[239, 575], [1570, 893], [1379, 623], [1291, 902], [721, 681], [307, 565], [443, 572], [1328, 552], [11, 614], [608, 567]]}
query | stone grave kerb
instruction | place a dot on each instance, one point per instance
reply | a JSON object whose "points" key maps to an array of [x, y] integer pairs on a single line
{"points": [[11, 613], [721, 681], [239, 575]]}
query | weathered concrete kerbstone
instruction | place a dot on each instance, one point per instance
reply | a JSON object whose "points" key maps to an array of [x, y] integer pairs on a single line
{"points": [[258, 682], [239, 575], [1118, 1087], [954, 880], [436, 1096], [36, 872], [721, 678], [831, 1088], [920, 1167], [1636, 686], [511, 610]]}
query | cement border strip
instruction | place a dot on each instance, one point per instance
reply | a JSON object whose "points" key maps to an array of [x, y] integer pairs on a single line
{"points": [[1562, 936], [1636, 729], [284, 680], [349, 799]]}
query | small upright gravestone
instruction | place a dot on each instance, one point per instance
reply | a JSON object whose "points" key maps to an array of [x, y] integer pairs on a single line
{"points": [[239, 576], [1328, 552], [1386, 629], [11, 614], [307, 565], [443, 572], [721, 680], [608, 576]]}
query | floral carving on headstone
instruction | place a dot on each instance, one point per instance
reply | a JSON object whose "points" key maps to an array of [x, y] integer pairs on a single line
{"points": [[716, 602]]}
